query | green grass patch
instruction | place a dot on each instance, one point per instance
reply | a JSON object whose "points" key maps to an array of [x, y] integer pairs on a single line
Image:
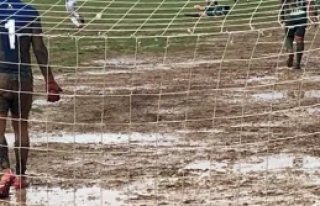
{"points": [[146, 24]]}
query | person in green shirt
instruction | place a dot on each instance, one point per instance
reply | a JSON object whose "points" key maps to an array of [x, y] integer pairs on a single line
{"points": [[294, 16], [212, 9]]}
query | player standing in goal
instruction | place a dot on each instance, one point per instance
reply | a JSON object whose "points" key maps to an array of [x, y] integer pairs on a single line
{"points": [[294, 15], [75, 18], [20, 28]]}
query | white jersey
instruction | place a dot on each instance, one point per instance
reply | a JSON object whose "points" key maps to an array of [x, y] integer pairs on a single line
{"points": [[71, 9]]}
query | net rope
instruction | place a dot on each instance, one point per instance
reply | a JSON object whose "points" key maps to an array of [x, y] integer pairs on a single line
{"points": [[158, 18], [140, 71]]}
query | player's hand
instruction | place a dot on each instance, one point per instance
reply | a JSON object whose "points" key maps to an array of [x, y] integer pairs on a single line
{"points": [[197, 7], [53, 90]]}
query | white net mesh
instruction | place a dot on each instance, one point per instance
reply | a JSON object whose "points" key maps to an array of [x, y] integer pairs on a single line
{"points": [[156, 18], [163, 109]]}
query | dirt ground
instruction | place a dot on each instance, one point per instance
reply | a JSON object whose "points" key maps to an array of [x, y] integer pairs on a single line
{"points": [[239, 110]]}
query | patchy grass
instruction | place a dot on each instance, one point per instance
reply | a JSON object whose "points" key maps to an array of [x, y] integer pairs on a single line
{"points": [[144, 26]]}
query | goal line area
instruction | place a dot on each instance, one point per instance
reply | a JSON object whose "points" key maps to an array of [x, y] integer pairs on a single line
{"points": [[152, 114]]}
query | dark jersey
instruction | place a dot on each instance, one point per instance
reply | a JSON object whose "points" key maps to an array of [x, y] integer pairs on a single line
{"points": [[295, 12], [317, 5], [18, 23], [217, 10]]}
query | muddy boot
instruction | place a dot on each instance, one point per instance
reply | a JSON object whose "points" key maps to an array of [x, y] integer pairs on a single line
{"points": [[6, 180], [21, 182], [290, 61]]}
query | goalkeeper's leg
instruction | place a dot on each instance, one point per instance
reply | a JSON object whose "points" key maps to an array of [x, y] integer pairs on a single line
{"points": [[75, 18], [5, 101], [20, 112], [299, 39], [7, 177]]}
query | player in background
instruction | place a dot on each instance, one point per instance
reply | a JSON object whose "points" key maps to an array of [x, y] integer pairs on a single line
{"points": [[20, 28], [316, 4], [212, 9], [294, 16], [75, 18]]}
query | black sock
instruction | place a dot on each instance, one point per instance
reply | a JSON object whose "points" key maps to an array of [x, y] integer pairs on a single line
{"points": [[192, 15], [300, 49], [4, 155], [21, 153]]}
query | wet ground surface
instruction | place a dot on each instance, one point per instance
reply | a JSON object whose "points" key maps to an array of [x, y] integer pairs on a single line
{"points": [[204, 132]]}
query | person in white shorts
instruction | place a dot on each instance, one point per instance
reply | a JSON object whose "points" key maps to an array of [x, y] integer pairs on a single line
{"points": [[75, 18]]}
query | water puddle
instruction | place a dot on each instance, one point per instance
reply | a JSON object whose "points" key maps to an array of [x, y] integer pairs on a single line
{"points": [[99, 138], [207, 165], [313, 110], [270, 163], [93, 196], [43, 102], [264, 124], [312, 94], [312, 78], [184, 131], [103, 72], [269, 96], [119, 61]]}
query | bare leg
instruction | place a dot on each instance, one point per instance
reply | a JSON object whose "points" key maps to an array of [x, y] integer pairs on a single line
{"points": [[299, 51], [4, 158], [289, 45], [22, 144]]}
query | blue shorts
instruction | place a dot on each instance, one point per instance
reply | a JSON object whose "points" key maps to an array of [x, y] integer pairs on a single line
{"points": [[15, 95]]}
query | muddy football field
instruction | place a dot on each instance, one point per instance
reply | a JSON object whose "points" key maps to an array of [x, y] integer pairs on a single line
{"points": [[180, 128]]}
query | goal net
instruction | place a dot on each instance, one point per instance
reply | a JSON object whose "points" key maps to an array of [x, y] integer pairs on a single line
{"points": [[163, 109]]}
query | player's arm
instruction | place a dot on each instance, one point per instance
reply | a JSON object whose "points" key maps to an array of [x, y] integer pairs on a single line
{"points": [[41, 54], [40, 49], [200, 8]]}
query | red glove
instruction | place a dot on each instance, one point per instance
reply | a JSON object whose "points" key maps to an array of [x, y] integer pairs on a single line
{"points": [[53, 90]]}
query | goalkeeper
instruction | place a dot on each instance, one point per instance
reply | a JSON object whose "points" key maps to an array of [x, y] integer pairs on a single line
{"points": [[20, 28], [294, 16], [212, 9]]}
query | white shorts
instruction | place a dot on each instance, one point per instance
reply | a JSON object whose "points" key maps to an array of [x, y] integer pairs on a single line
{"points": [[70, 5]]}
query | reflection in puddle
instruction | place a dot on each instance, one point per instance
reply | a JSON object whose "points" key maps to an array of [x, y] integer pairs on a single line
{"points": [[98, 138], [85, 196], [269, 96], [93, 196], [269, 163]]}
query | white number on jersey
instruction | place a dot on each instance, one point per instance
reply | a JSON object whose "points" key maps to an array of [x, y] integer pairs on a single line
{"points": [[11, 27]]}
